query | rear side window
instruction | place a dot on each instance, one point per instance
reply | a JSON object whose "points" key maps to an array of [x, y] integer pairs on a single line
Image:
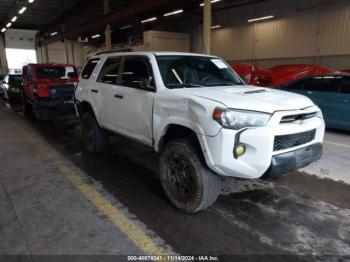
{"points": [[136, 71], [110, 70], [345, 85], [30, 74], [89, 68], [322, 84]]}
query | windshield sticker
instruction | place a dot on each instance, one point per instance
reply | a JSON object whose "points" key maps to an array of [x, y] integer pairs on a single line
{"points": [[69, 69], [219, 63]]}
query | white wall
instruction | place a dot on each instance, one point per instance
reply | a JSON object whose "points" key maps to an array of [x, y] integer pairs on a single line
{"points": [[54, 53], [299, 33]]}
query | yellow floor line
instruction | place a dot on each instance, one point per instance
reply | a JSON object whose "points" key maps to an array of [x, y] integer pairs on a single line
{"points": [[130, 229], [337, 144]]}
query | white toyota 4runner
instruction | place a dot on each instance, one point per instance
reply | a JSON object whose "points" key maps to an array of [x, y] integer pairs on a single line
{"points": [[204, 121]]}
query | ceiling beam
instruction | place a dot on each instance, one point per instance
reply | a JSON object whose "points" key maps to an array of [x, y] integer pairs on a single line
{"points": [[76, 9], [132, 10]]}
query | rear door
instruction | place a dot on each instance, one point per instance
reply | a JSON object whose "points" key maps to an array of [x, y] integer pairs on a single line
{"points": [[106, 85], [322, 90], [342, 102], [134, 99], [87, 89]]}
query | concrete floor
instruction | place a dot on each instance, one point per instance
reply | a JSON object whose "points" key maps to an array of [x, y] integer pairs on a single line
{"points": [[299, 217]]}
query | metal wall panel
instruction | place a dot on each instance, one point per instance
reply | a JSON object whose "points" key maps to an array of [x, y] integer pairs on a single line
{"points": [[301, 31]]}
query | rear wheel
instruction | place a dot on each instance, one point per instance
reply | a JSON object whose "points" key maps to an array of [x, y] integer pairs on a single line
{"points": [[186, 180], [95, 138]]}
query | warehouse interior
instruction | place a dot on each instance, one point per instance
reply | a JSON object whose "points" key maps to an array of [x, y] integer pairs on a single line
{"points": [[57, 201]]}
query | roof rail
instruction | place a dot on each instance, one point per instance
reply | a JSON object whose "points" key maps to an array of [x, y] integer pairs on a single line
{"points": [[127, 49]]}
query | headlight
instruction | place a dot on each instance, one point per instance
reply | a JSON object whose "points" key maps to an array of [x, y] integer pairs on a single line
{"points": [[236, 119]]}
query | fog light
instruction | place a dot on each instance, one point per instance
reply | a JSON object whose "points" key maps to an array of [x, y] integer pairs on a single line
{"points": [[239, 150]]}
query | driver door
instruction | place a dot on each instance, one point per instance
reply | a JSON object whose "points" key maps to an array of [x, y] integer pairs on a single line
{"points": [[134, 100]]}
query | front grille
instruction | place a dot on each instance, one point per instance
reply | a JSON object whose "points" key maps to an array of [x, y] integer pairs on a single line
{"points": [[63, 92], [294, 140], [294, 118]]}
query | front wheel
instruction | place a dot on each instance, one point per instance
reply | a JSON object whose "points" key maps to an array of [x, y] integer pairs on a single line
{"points": [[187, 182], [26, 106], [95, 138]]}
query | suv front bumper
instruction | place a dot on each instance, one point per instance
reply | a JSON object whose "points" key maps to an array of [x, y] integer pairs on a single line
{"points": [[291, 161], [262, 156]]}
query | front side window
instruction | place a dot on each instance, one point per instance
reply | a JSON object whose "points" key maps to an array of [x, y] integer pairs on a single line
{"points": [[345, 85], [322, 84], [196, 71], [89, 68], [56, 72], [137, 73], [110, 70]]}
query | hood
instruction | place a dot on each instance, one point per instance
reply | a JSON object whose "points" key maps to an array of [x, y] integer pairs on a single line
{"points": [[251, 98]]}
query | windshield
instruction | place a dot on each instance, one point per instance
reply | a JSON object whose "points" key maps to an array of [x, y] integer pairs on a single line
{"points": [[56, 72], [195, 71]]}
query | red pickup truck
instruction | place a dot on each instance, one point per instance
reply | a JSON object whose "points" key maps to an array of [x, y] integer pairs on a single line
{"points": [[48, 90]]}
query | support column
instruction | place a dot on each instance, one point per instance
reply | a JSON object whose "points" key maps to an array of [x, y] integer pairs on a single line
{"points": [[108, 27], [207, 27], [66, 51]]}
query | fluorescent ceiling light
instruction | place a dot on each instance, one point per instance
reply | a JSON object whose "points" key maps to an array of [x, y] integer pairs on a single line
{"points": [[149, 20], [30, 1], [54, 33], [96, 36], [125, 27], [14, 19], [216, 26], [22, 10], [8, 24], [3, 30], [260, 18], [212, 1], [176, 12]]}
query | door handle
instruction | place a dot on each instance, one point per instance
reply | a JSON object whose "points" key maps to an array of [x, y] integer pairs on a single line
{"points": [[94, 91], [118, 96]]}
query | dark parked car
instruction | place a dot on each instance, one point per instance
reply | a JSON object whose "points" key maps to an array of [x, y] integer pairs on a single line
{"points": [[330, 92], [10, 87]]}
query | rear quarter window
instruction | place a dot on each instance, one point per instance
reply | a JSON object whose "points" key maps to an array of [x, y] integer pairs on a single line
{"points": [[89, 68]]}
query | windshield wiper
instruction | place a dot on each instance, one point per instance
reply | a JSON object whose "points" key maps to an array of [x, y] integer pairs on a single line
{"points": [[184, 85]]}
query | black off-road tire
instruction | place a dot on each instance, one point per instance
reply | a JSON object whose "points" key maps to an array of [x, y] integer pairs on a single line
{"points": [[206, 184], [95, 139], [26, 106]]}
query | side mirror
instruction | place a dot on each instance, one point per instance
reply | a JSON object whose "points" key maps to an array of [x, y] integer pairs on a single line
{"points": [[147, 84]]}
